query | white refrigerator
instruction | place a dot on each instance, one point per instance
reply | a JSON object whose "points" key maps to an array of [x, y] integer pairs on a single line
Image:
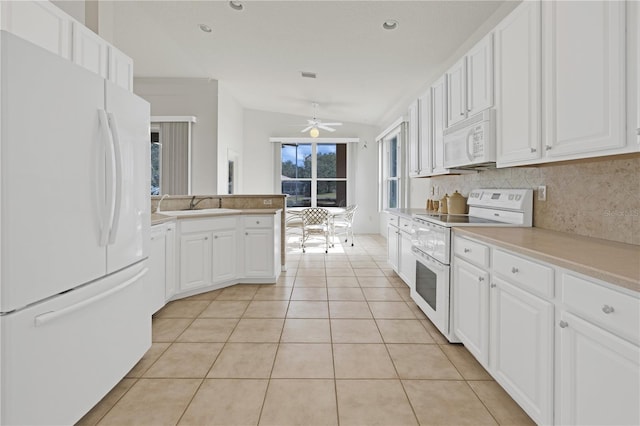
{"points": [[74, 230]]}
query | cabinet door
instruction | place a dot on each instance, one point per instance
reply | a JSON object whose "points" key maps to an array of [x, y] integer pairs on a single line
{"points": [[170, 262], [522, 348], [456, 92], [471, 308], [39, 22], [414, 149], [195, 260], [480, 76], [518, 86], [584, 75], [258, 253], [425, 133], [224, 255], [392, 246], [599, 373], [156, 278], [406, 261], [439, 102], [120, 69], [89, 50]]}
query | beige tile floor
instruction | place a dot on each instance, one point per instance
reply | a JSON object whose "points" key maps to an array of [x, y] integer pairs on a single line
{"points": [[337, 340]]}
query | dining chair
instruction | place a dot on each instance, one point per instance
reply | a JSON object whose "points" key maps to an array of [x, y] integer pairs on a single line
{"points": [[343, 223], [315, 221], [293, 223]]}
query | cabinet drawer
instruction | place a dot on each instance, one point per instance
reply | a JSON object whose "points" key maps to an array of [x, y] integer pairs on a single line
{"points": [[616, 311], [531, 275], [200, 225], [469, 250], [392, 219], [258, 221], [404, 224]]}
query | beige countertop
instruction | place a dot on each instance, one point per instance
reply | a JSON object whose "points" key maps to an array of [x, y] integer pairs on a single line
{"points": [[157, 218], [610, 261]]}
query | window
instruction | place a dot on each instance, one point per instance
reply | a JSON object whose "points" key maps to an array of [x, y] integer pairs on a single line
{"points": [[314, 174], [156, 163], [390, 169]]}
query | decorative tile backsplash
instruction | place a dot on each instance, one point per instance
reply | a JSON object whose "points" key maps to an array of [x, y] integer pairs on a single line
{"points": [[597, 197]]}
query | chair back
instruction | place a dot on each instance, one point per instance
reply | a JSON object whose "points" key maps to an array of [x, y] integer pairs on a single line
{"points": [[350, 212], [315, 216]]}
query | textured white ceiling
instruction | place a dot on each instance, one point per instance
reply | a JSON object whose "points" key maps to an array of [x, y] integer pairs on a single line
{"points": [[258, 53]]}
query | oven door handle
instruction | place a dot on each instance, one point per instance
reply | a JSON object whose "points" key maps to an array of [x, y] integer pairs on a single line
{"points": [[428, 260]]}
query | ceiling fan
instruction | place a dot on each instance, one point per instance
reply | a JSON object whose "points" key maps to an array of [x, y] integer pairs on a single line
{"points": [[314, 125]]}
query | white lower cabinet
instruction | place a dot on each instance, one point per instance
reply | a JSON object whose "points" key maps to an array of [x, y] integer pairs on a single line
{"points": [[157, 276], [521, 349], [406, 261], [393, 236], [471, 308], [222, 251], [170, 262], [261, 253], [599, 379], [195, 260], [564, 346], [224, 255]]}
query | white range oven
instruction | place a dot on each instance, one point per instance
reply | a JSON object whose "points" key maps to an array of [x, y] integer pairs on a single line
{"points": [[431, 241]]}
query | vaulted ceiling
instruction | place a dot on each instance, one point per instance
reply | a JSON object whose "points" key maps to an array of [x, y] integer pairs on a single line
{"points": [[259, 53]]}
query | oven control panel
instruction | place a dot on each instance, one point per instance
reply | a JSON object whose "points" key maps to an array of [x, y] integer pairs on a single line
{"points": [[511, 199]]}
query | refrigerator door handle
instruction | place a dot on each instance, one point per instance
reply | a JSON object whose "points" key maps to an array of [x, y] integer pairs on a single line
{"points": [[118, 177], [110, 196], [47, 317]]}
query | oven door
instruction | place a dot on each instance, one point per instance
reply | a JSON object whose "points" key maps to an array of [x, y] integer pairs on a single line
{"points": [[431, 291]]}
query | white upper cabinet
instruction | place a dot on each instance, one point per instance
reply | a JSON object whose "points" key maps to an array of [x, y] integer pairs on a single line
{"points": [[120, 69], [425, 133], [413, 152], [584, 76], [480, 76], [633, 73], [89, 50], [470, 82], [438, 105], [456, 92], [39, 22], [518, 86]]}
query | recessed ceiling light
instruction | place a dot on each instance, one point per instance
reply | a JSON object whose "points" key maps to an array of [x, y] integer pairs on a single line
{"points": [[236, 5], [205, 28], [390, 24]]}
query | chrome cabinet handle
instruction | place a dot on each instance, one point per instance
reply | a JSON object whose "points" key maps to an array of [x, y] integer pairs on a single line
{"points": [[493, 285], [480, 279], [215, 237], [563, 324], [514, 270], [206, 238], [548, 147], [461, 114], [533, 150], [466, 250], [257, 222], [607, 309], [246, 233]]}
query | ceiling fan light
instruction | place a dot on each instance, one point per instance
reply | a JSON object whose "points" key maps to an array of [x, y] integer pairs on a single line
{"points": [[314, 132]]}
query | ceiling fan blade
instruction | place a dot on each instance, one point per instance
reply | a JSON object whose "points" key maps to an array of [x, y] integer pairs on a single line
{"points": [[306, 129], [331, 124], [323, 127]]}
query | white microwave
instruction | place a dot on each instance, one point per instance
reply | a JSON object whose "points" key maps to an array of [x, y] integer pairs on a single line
{"points": [[472, 142]]}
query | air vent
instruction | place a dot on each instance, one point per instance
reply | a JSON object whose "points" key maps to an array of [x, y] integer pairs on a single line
{"points": [[307, 74]]}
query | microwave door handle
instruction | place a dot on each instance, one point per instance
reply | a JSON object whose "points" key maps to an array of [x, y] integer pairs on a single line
{"points": [[469, 144]]}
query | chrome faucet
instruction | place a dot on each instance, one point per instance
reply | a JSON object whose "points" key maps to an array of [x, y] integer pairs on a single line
{"points": [[194, 203], [161, 198]]}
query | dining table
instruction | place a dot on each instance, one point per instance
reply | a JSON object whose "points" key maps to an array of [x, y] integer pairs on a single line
{"points": [[333, 213]]}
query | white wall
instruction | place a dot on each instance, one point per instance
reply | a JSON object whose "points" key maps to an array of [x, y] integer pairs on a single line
{"points": [[230, 138], [190, 96], [258, 159]]}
